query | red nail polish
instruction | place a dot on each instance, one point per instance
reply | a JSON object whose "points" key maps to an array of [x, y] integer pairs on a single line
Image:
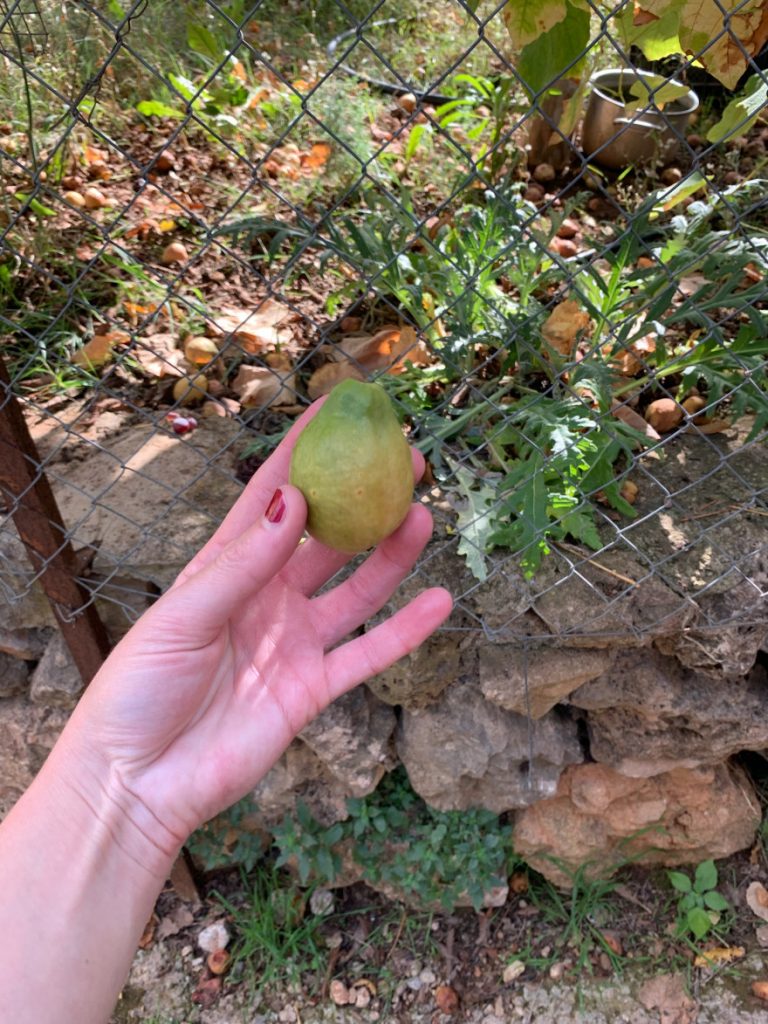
{"points": [[276, 508]]}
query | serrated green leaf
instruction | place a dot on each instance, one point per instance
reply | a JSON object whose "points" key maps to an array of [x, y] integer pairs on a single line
{"points": [[581, 527]]}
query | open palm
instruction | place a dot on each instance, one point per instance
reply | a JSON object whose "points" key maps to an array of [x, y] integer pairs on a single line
{"points": [[206, 692]]}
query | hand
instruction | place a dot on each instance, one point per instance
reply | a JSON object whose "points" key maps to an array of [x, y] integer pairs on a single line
{"points": [[205, 693]]}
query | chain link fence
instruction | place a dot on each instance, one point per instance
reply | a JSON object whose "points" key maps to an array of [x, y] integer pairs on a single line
{"points": [[553, 260]]}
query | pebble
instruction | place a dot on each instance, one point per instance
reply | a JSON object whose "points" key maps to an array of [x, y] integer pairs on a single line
{"points": [[556, 971], [321, 902], [287, 1014], [427, 977], [414, 984], [215, 936]]}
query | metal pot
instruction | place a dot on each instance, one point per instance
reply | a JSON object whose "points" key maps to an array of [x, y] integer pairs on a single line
{"points": [[616, 137]]}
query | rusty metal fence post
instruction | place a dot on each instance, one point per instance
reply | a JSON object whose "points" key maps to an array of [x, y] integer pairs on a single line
{"points": [[30, 501]]}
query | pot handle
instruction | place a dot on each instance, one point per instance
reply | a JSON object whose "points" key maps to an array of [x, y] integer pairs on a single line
{"points": [[637, 121]]}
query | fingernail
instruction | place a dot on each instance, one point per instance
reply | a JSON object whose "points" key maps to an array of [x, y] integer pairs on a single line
{"points": [[276, 508]]}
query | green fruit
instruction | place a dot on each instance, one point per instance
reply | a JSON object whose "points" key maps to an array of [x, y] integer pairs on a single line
{"points": [[353, 466]]}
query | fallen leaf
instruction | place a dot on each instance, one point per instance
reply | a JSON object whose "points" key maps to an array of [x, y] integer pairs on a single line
{"points": [[513, 971], [712, 426], [757, 899], [180, 917], [760, 989], [158, 355], [262, 386], [254, 330], [634, 419], [98, 350], [718, 955], [324, 379], [390, 348], [317, 157], [148, 934], [666, 993], [564, 326]]}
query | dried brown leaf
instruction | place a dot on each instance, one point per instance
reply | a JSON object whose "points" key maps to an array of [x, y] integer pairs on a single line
{"points": [[98, 350], [254, 330], [324, 379], [757, 900], [634, 419], [564, 326]]}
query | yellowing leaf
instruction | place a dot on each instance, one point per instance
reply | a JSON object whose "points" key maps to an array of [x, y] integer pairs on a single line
{"points": [[526, 20], [718, 956]]}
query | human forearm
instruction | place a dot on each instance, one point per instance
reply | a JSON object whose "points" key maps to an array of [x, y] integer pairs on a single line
{"points": [[90, 870]]}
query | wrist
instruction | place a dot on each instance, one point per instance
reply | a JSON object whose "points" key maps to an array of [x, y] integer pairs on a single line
{"points": [[90, 790]]}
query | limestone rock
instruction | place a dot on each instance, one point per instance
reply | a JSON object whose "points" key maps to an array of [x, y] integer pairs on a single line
{"points": [[26, 644], [13, 675], [648, 714], [28, 733], [599, 818], [151, 499], [56, 681], [23, 604], [719, 562], [299, 775], [353, 740], [533, 681], [466, 752], [418, 679]]}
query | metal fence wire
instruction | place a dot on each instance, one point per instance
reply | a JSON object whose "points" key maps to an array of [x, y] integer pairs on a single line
{"points": [[548, 247]]}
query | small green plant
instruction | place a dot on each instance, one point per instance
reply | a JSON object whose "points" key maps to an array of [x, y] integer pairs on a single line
{"points": [[397, 839], [224, 841], [699, 906]]}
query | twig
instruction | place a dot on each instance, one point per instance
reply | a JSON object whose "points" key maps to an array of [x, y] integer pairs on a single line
{"points": [[596, 564]]}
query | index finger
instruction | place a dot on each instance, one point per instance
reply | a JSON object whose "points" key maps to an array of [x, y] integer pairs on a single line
{"points": [[254, 499]]}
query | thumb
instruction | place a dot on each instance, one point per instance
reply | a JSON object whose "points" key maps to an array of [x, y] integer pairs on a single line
{"points": [[244, 566]]}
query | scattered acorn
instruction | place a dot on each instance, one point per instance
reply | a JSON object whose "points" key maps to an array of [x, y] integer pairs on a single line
{"points": [[94, 199], [74, 199], [165, 161], [199, 350], [564, 247], [190, 392], [174, 252], [534, 193], [218, 961], [544, 173], [568, 229], [72, 183], [664, 415], [407, 102]]}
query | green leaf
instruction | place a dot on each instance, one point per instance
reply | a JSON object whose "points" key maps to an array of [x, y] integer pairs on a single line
{"points": [[742, 112], [706, 876], [657, 92], [555, 53], [203, 41], [154, 108], [657, 37], [699, 922], [581, 527], [715, 901], [673, 197], [679, 881]]}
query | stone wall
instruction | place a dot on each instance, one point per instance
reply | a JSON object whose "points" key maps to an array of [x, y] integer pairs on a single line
{"points": [[601, 704]]}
